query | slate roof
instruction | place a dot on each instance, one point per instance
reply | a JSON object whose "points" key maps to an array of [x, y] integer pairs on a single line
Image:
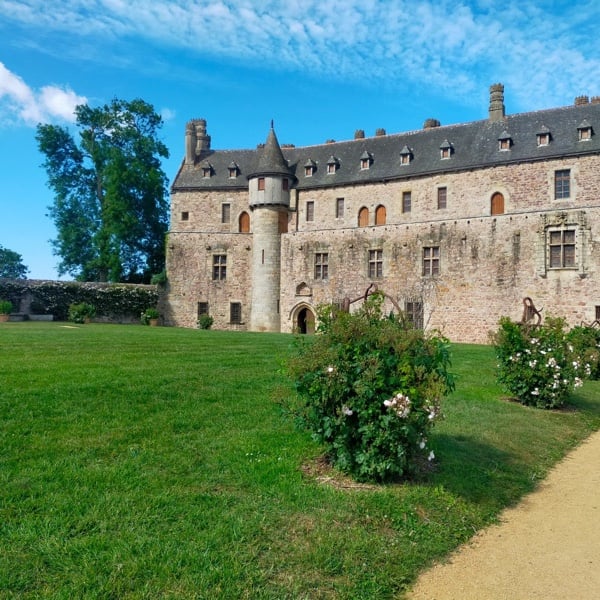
{"points": [[474, 145]]}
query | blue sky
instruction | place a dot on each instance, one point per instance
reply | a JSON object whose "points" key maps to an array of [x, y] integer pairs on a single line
{"points": [[319, 69]]}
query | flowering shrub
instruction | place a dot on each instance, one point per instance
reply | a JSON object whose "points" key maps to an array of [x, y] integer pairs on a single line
{"points": [[586, 342], [538, 365], [370, 387]]}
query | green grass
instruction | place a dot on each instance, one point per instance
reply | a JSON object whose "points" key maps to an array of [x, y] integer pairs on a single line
{"points": [[140, 462]]}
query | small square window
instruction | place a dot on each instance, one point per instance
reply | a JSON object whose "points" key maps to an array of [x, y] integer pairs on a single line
{"points": [[442, 195], [310, 211], [375, 264], [322, 266], [431, 260], [225, 213], [235, 313], [562, 184], [185, 215]]}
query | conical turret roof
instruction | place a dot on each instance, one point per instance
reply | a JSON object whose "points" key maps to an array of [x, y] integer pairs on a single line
{"points": [[272, 161]]}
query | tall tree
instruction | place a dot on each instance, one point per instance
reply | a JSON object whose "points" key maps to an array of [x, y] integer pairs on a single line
{"points": [[11, 264], [110, 193]]}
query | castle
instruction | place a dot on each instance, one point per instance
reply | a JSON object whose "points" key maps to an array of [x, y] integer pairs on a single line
{"points": [[457, 223]]}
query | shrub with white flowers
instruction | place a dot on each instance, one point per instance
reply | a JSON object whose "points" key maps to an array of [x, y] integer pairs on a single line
{"points": [[369, 387], [538, 364]]}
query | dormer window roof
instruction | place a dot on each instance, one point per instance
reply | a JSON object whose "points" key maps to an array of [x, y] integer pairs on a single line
{"points": [[366, 159], [234, 169], [543, 136], [310, 166], [207, 169], [406, 155], [446, 149], [585, 130], [333, 165], [504, 141]]}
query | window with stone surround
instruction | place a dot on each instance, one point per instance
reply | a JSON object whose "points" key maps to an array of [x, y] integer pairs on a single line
{"points": [[562, 184], [375, 264], [225, 212], [202, 308], [219, 272], [310, 210], [431, 260], [561, 249], [406, 202], [235, 313], [414, 312], [339, 208], [442, 195], [322, 266]]}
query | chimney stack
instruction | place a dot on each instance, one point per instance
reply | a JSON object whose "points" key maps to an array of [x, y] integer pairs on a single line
{"points": [[497, 111]]}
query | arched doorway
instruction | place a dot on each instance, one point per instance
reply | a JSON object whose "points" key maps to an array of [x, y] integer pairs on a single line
{"points": [[363, 217], [305, 321], [497, 204], [380, 215]]}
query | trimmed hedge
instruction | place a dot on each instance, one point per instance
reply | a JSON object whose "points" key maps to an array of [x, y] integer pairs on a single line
{"points": [[111, 300]]}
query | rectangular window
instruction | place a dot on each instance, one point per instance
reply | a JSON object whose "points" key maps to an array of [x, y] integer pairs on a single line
{"points": [[321, 265], [261, 183], [235, 312], [414, 313], [442, 194], [597, 313], [202, 308], [375, 264], [406, 202], [431, 260], [562, 249], [225, 213], [310, 211], [285, 184], [339, 208], [562, 184], [185, 215], [219, 267]]}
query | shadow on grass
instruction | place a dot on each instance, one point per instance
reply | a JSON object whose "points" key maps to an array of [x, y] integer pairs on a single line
{"points": [[480, 473]]}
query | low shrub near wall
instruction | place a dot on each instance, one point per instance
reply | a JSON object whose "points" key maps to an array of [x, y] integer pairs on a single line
{"points": [[112, 301]]}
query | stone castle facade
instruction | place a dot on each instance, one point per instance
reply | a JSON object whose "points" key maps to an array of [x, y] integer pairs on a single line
{"points": [[457, 223]]}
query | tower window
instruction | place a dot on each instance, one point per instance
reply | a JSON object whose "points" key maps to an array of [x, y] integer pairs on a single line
{"points": [[261, 183], [185, 215], [285, 184]]}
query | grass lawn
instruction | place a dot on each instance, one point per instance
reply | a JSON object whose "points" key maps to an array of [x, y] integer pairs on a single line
{"points": [[140, 462]]}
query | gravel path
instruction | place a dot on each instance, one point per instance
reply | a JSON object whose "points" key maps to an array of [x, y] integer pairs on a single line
{"points": [[546, 547]]}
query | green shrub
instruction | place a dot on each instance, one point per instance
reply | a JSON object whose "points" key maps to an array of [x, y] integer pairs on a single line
{"points": [[205, 321], [370, 387], [6, 307], [537, 364], [586, 343], [148, 315], [82, 312]]}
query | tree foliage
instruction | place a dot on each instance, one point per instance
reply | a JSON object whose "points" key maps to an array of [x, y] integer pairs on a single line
{"points": [[11, 264], [110, 193]]}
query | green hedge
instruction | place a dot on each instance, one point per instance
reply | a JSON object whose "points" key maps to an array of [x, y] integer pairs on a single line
{"points": [[111, 300]]}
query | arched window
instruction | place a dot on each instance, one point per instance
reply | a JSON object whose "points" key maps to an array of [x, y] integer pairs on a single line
{"points": [[497, 204], [244, 223], [363, 217], [380, 215]]}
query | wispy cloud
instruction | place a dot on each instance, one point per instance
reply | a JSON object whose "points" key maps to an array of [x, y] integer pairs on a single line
{"points": [[20, 103], [543, 51]]}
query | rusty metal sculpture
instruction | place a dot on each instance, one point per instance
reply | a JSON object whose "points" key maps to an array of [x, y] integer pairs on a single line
{"points": [[372, 289], [531, 313]]}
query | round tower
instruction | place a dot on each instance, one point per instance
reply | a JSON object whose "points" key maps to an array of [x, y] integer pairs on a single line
{"points": [[269, 188]]}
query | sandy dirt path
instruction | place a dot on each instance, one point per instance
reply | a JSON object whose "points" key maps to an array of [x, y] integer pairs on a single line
{"points": [[546, 547]]}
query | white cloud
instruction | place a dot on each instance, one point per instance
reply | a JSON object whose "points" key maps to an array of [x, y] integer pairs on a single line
{"points": [[20, 103], [541, 49]]}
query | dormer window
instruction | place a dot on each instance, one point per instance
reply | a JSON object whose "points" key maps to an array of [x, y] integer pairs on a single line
{"points": [[309, 168], [504, 141], [365, 160], [207, 169], [234, 170], [406, 156], [446, 149], [543, 136], [585, 131], [332, 165]]}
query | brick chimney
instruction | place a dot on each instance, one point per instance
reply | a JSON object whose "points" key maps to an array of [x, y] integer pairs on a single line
{"points": [[497, 111]]}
